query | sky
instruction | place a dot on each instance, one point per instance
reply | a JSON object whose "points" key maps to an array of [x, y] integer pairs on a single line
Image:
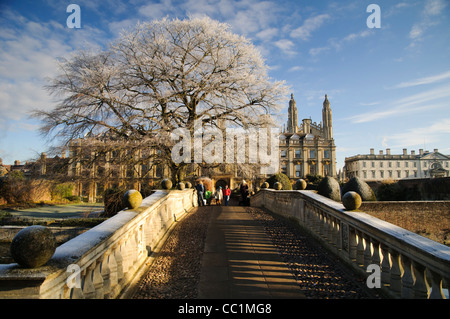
{"points": [[388, 85]]}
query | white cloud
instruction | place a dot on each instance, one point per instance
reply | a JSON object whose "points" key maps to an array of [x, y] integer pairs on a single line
{"points": [[425, 80], [430, 18], [310, 25], [286, 45], [420, 102], [432, 134]]}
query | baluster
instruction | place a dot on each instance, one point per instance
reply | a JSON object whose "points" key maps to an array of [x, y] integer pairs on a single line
{"points": [[385, 265], [119, 261], [330, 234], [105, 271], [112, 265], [376, 259], [337, 233], [88, 287], [420, 285], [352, 244], [367, 251], [360, 250], [396, 273], [436, 286], [98, 280], [407, 278]]}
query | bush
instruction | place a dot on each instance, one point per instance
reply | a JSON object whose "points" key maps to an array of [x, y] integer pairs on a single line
{"points": [[281, 178], [62, 191], [362, 188], [329, 187], [389, 192], [113, 200]]}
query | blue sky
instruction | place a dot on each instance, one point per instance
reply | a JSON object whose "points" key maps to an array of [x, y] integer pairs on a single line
{"points": [[389, 87]]}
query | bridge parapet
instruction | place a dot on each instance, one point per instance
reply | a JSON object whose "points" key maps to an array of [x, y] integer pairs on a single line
{"points": [[411, 266], [103, 261]]}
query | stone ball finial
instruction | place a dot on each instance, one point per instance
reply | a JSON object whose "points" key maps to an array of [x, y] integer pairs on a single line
{"points": [[351, 200], [166, 183], [188, 185], [300, 184], [33, 246], [277, 186], [132, 199], [181, 185]]}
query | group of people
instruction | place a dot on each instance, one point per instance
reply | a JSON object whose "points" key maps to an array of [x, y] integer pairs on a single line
{"points": [[205, 197]]}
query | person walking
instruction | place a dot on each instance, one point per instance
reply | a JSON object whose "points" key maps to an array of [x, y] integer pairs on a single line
{"points": [[244, 193], [200, 191], [218, 195], [226, 194]]}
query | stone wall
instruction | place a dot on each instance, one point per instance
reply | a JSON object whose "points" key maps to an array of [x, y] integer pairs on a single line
{"points": [[103, 261], [409, 265]]}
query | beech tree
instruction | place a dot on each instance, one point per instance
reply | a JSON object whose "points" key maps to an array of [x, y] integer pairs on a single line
{"points": [[158, 77]]}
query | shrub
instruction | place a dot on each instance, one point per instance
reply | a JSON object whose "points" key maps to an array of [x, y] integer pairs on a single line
{"points": [[113, 200], [329, 187], [362, 188], [281, 178]]}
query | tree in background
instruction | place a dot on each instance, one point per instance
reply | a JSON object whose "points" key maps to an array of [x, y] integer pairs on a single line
{"points": [[160, 76]]}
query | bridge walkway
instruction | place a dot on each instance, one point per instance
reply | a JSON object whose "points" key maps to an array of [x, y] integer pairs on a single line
{"points": [[239, 260]]}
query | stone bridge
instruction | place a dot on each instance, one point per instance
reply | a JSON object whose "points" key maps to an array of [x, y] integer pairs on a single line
{"points": [[107, 260]]}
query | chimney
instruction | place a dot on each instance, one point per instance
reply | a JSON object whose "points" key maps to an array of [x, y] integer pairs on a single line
{"points": [[388, 151], [421, 151], [413, 152], [381, 152], [372, 151], [405, 152], [16, 162], [435, 150]]}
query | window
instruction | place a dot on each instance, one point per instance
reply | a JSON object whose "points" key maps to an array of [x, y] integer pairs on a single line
{"points": [[312, 154], [373, 164], [365, 174], [283, 153], [298, 170], [364, 164], [298, 153], [382, 174], [390, 174], [381, 164], [283, 168], [398, 164], [406, 164], [407, 173], [399, 174], [415, 164], [373, 174], [326, 154], [390, 164]]}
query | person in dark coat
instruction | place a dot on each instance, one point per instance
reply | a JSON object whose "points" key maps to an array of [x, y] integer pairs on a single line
{"points": [[244, 193], [200, 192]]}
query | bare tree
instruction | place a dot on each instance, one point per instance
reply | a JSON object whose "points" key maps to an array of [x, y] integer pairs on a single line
{"points": [[158, 77]]}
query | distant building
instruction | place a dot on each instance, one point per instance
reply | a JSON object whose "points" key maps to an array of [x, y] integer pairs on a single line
{"points": [[304, 149], [387, 166], [308, 148]]}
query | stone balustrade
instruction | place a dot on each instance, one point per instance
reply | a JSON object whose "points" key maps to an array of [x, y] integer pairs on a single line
{"points": [[104, 260], [411, 266]]}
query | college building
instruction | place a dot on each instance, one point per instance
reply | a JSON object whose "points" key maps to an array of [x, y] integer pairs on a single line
{"points": [[387, 166]]}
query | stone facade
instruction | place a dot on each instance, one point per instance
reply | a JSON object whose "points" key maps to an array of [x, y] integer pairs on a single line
{"points": [[387, 166], [308, 148]]}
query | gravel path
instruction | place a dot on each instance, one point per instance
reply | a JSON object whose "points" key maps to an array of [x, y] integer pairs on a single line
{"points": [[176, 270]]}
